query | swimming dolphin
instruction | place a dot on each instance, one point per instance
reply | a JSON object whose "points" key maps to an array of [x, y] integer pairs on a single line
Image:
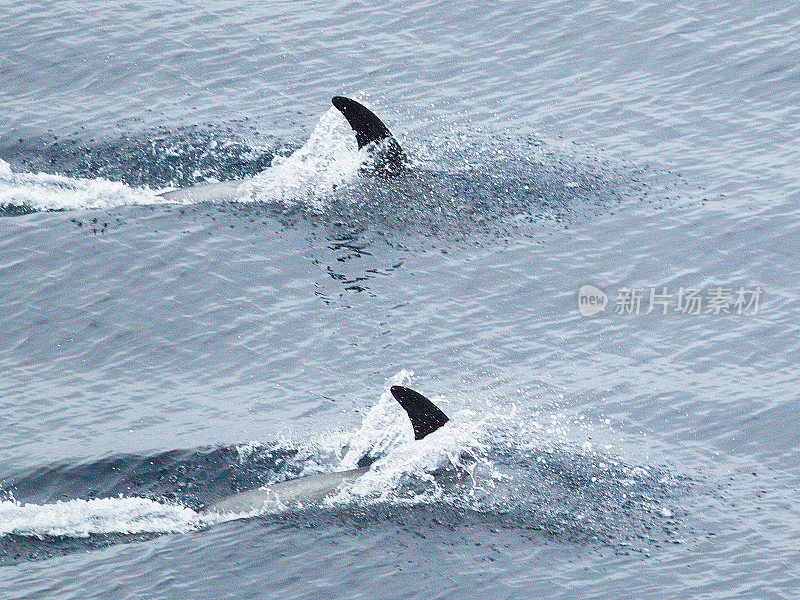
{"points": [[387, 158], [425, 418]]}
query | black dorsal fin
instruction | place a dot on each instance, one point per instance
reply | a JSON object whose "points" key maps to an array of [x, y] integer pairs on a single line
{"points": [[425, 415], [367, 126], [371, 130]]}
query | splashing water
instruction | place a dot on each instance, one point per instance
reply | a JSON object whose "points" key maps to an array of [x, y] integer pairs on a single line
{"points": [[326, 161]]}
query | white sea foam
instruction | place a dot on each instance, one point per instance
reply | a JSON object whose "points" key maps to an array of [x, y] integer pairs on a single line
{"points": [[43, 191], [328, 159], [81, 518]]}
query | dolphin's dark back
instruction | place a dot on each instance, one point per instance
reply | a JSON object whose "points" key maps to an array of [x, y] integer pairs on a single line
{"points": [[390, 158], [425, 416]]}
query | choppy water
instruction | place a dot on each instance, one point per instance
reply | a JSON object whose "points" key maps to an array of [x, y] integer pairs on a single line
{"points": [[155, 356]]}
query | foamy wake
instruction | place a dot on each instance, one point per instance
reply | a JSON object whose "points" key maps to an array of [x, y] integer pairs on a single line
{"points": [[42, 191], [327, 160], [82, 518]]}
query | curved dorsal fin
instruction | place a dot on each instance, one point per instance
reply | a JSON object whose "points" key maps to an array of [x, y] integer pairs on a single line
{"points": [[371, 130], [425, 415]]}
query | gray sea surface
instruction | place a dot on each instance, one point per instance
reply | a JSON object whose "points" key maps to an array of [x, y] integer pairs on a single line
{"points": [[156, 356]]}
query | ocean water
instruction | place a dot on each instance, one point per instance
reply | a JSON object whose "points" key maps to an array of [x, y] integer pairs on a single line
{"points": [[157, 353]]}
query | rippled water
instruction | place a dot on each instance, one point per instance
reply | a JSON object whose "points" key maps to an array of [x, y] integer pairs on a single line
{"points": [[158, 353]]}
